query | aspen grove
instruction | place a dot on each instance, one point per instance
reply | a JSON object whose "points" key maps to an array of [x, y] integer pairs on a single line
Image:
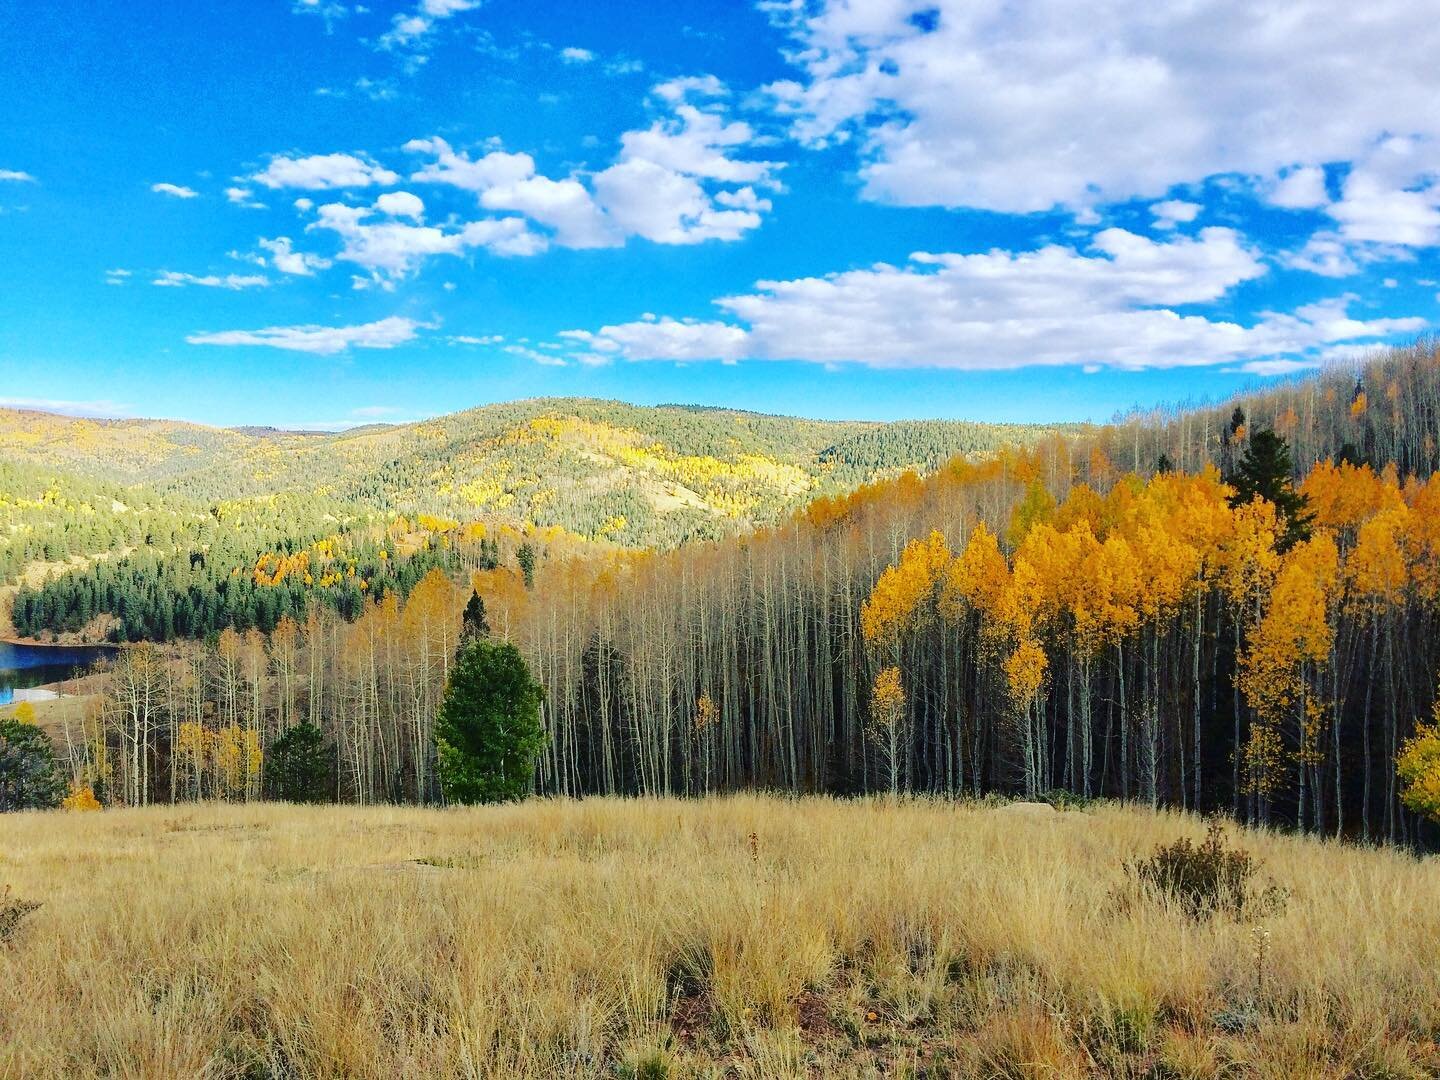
{"points": [[1103, 615]]}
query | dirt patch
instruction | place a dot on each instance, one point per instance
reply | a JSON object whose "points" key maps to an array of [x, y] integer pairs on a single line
{"points": [[692, 1015], [814, 1017]]}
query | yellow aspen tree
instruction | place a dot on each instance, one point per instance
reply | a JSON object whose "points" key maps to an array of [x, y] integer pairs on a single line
{"points": [[888, 721]]}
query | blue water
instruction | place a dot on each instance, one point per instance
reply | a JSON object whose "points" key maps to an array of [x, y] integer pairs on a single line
{"points": [[25, 666]]}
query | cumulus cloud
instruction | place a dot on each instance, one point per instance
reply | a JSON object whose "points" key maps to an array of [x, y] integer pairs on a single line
{"points": [[392, 249], [1110, 305], [177, 191], [665, 185], [16, 176], [1172, 212], [323, 172], [697, 143], [319, 340], [1392, 196], [575, 55], [1300, 189], [244, 197], [401, 204], [287, 260], [236, 282], [1025, 106], [459, 170]]}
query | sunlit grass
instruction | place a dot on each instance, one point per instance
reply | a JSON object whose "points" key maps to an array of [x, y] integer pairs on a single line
{"points": [[652, 938]]}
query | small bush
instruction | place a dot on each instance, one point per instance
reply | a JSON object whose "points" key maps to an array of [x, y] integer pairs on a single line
{"points": [[1202, 878], [81, 799], [13, 912]]}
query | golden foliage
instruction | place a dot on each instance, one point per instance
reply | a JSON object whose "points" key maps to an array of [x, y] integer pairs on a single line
{"points": [[81, 799], [905, 592]]}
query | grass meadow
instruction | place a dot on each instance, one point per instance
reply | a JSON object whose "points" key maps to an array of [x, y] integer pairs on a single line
{"points": [[744, 936]]}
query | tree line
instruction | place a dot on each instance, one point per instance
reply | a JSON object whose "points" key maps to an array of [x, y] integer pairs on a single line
{"points": [[1232, 608]]}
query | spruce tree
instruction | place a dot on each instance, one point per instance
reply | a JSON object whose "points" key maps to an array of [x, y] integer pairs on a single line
{"points": [[29, 776], [300, 766], [1265, 470], [488, 732]]}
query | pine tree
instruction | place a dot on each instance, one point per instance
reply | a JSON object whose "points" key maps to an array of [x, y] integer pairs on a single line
{"points": [[488, 731], [473, 623], [300, 765], [29, 776], [1266, 471]]}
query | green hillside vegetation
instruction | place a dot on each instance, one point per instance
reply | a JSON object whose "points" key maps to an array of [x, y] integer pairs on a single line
{"points": [[636, 476]]}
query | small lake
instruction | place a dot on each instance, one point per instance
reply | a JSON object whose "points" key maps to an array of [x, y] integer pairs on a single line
{"points": [[25, 667]]}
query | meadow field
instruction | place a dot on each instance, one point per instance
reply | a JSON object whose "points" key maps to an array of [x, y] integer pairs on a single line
{"points": [[740, 936]]}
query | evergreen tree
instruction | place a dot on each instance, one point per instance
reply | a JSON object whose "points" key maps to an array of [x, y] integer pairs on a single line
{"points": [[488, 731], [300, 766], [473, 623], [1267, 471], [525, 556], [29, 776]]}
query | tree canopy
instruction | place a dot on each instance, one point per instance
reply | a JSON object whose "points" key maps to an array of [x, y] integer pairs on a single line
{"points": [[488, 731]]}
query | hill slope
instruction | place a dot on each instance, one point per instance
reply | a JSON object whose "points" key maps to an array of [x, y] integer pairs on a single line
{"points": [[606, 470]]}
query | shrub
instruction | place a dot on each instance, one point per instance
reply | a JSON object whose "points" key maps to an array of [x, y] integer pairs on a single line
{"points": [[29, 776], [12, 913], [81, 798], [1202, 878]]}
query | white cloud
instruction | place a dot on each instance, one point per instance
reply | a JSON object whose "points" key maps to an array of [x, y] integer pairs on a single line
{"points": [[175, 279], [117, 277], [98, 408], [574, 55], [563, 205], [328, 10], [665, 206], [1276, 367], [1028, 105], [178, 191], [667, 339], [535, 356], [243, 196], [677, 90], [411, 30], [1108, 306], [320, 172], [470, 339], [289, 261], [697, 143], [392, 249], [1171, 212], [1300, 189], [16, 176], [458, 170], [401, 204], [1392, 196], [662, 188], [320, 340]]}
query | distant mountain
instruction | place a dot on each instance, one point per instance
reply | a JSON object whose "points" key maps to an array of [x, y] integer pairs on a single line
{"points": [[633, 475]]}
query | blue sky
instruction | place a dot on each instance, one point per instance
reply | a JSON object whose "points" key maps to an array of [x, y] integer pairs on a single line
{"points": [[325, 213]]}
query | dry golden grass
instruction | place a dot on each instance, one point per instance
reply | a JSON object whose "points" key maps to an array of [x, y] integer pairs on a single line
{"points": [[656, 938]]}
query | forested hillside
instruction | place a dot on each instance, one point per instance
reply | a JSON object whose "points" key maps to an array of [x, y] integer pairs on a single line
{"points": [[608, 471], [1230, 608]]}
